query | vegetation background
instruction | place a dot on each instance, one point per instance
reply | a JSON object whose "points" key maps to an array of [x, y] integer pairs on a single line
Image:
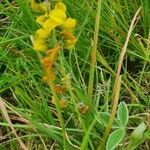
{"points": [[30, 120]]}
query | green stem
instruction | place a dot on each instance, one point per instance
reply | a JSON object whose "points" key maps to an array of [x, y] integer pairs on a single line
{"points": [[60, 117], [93, 52]]}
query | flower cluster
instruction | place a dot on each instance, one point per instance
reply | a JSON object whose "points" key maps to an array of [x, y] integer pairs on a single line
{"points": [[52, 20], [49, 21]]}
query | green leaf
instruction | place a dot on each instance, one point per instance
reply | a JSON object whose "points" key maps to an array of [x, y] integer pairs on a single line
{"points": [[115, 138], [103, 119], [123, 114], [137, 137]]}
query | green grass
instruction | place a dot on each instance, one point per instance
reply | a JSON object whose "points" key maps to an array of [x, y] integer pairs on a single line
{"points": [[28, 99]]}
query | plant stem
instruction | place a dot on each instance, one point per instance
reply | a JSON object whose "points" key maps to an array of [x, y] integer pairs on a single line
{"points": [[117, 84], [93, 52], [60, 117]]}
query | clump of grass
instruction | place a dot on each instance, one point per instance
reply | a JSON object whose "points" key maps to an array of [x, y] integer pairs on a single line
{"points": [[26, 99]]}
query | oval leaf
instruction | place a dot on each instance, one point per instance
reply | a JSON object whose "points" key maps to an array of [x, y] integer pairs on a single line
{"points": [[103, 119], [123, 114], [115, 138]]}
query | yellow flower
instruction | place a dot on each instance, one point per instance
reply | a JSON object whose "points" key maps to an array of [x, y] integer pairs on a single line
{"points": [[60, 6], [49, 25], [58, 15], [69, 39], [40, 45], [69, 24], [41, 34], [41, 19], [68, 35], [39, 7]]}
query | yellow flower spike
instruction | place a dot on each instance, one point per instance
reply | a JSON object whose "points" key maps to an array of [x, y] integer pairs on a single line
{"points": [[38, 7], [69, 24]]}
